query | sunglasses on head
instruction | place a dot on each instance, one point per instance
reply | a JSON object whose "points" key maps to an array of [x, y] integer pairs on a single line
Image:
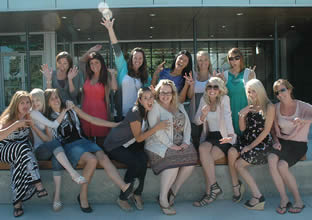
{"points": [[234, 58], [280, 91], [214, 87]]}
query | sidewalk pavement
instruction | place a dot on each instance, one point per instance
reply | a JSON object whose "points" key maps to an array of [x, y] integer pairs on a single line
{"points": [[221, 210]]}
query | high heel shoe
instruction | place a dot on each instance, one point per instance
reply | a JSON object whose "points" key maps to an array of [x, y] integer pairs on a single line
{"points": [[206, 199], [241, 189], [258, 206], [87, 209]]}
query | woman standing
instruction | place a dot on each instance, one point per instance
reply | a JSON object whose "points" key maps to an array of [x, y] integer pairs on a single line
{"points": [[99, 82], [201, 76], [16, 149], [129, 148], [132, 75], [45, 147], [79, 149], [252, 148], [180, 73], [170, 151], [215, 113], [290, 134], [66, 77], [236, 79]]}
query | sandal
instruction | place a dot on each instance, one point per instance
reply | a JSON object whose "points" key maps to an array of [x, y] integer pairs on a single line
{"points": [[169, 210], [295, 210], [138, 202], [282, 210], [57, 206], [203, 201], [215, 191], [171, 196], [124, 205], [258, 206], [41, 192], [18, 211], [237, 199]]}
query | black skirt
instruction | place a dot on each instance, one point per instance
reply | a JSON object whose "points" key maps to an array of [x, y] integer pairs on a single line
{"points": [[214, 138], [292, 151]]}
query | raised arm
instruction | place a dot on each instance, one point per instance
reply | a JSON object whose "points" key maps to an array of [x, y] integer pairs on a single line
{"points": [[85, 56], [94, 120], [108, 23], [202, 112], [38, 116]]}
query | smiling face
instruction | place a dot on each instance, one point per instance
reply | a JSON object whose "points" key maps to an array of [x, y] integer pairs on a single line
{"points": [[137, 60], [55, 102], [24, 106], [235, 60], [36, 103], [62, 65], [95, 66], [147, 100], [252, 95], [181, 62], [202, 62], [165, 95], [212, 90], [282, 93]]}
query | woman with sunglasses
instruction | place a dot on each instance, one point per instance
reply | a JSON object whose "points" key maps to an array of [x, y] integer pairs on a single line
{"points": [[253, 146], [236, 79], [290, 135], [215, 113]]}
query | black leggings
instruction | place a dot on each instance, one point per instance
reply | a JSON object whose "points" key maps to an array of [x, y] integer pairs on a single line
{"points": [[136, 160]]}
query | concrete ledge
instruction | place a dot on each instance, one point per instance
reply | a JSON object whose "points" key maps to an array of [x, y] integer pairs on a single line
{"points": [[102, 189]]}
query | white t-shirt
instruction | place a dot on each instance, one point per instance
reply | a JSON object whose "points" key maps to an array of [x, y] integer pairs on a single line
{"points": [[130, 87]]}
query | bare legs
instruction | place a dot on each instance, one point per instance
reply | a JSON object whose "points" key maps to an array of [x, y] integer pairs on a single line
{"points": [[281, 175], [232, 158]]}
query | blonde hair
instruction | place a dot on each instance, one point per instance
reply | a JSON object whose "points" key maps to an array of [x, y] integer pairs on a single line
{"points": [[206, 54], [262, 97], [175, 97], [222, 89], [285, 83], [10, 114], [39, 93]]}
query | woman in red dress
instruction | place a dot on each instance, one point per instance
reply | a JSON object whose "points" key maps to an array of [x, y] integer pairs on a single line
{"points": [[99, 82]]}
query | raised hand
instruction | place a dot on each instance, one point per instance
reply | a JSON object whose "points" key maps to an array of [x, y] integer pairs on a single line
{"points": [[22, 123], [219, 74], [152, 88], [46, 71], [189, 79], [95, 48], [107, 22], [72, 73], [160, 67], [205, 109], [69, 105]]}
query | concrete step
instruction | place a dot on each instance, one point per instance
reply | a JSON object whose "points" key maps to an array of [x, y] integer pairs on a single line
{"points": [[102, 189]]}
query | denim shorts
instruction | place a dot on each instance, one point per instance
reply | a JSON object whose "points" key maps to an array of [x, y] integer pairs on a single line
{"points": [[75, 150]]}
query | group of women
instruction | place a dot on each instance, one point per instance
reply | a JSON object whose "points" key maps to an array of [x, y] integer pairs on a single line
{"points": [[229, 116]]}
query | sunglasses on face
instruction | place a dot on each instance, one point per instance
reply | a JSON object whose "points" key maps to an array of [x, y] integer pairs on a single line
{"points": [[234, 58], [214, 87], [280, 91], [165, 93]]}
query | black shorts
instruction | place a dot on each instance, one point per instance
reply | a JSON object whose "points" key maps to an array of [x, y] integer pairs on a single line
{"points": [[214, 137], [292, 151]]}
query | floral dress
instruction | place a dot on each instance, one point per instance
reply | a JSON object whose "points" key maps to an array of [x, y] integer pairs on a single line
{"points": [[254, 126]]}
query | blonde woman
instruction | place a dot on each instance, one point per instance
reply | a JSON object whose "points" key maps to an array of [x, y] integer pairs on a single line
{"points": [[215, 113], [290, 133], [170, 151], [252, 148], [201, 75], [16, 149]]}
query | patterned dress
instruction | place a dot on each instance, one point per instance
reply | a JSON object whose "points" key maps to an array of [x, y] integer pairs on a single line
{"points": [[254, 126], [17, 150]]}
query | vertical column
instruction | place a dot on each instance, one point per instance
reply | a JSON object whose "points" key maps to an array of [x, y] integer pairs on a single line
{"points": [[194, 39], [276, 49], [27, 66]]}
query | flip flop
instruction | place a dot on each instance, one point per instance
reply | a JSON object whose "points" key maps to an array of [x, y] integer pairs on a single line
{"points": [[282, 210], [295, 210]]}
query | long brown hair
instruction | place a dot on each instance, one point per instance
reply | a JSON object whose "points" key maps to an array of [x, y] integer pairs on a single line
{"points": [[237, 52], [47, 95], [10, 114], [142, 74]]}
